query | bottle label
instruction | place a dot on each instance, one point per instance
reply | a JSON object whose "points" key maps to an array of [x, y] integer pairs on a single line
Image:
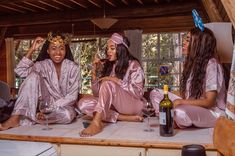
{"points": [[162, 118]]}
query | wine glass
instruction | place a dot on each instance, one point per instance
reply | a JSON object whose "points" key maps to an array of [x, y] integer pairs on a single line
{"points": [[101, 54], [99, 58], [46, 108], [148, 110]]}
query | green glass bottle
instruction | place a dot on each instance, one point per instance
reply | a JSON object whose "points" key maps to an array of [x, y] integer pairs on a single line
{"points": [[166, 115]]}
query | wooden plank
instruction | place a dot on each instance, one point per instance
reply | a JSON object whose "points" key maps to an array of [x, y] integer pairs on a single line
{"points": [[101, 142], [212, 11], [229, 6], [159, 24], [10, 61], [3, 76], [81, 15], [2, 35]]}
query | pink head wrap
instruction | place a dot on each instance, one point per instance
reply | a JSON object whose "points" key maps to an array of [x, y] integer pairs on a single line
{"points": [[118, 39]]}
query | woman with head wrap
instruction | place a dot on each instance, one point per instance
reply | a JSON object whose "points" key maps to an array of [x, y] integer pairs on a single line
{"points": [[118, 93]]}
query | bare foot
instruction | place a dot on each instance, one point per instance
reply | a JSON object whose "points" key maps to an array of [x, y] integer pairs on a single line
{"points": [[134, 118], [12, 122], [92, 129]]}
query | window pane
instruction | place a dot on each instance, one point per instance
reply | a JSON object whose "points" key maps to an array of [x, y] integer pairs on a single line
{"points": [[162, 64], [149, 42]]}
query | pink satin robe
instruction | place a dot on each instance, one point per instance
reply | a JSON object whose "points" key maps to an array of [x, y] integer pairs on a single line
{"points": [[42, 82], [188, 115], [111, 99]]}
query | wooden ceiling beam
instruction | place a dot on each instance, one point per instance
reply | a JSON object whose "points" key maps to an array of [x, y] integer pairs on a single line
{"points": [[23, 7], [160, 24], [50, 5], [36, 6], [125, 2], [11, 8], [111, 2], [63, 4], [96, 3], [14, 1], [76, 16], [81, 4], [140, 1], [229, 6], [212, 11]]}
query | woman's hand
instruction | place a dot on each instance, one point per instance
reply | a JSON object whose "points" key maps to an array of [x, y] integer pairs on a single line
{"points": [[96, 60], [208, 101], [36, 43], [40, 116], [110, 78], [97, 67]]}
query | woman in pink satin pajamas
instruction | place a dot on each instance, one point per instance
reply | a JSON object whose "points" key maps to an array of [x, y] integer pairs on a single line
{"points": [[202, 85], [118, 93], [53, 78]]}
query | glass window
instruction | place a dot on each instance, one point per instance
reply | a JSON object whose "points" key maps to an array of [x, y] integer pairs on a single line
{"points": [[162, 59], [83, 50]]}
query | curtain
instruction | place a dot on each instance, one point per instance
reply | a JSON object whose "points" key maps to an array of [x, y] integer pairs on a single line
{"points": [[135, 38]]}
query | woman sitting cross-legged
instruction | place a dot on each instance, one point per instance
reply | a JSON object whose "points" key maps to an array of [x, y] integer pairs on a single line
{"points": [[202, 85], [118, 93], [52, 78]]}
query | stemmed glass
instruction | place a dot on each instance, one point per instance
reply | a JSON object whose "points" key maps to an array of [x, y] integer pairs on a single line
{"points": [[46, 108], [101, 54], [148, 110], [100, 58]]}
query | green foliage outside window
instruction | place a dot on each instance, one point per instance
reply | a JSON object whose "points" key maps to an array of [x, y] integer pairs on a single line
{"points": [[163, 49]]}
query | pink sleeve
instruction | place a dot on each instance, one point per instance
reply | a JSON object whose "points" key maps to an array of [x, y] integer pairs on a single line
{"points": [[133, 81], [25, 66], [214, 76], [95, 85]]}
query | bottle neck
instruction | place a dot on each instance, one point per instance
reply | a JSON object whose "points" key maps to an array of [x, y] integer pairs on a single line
{"points": [[166, 94]]}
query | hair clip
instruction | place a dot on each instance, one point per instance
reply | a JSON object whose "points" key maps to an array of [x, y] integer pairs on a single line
{"points": [[197, 20]]}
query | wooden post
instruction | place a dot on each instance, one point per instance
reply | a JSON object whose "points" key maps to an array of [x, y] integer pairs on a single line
{"points": [[3, 64], [2, 35], [10, 60], [212, 11], [229, 6]]}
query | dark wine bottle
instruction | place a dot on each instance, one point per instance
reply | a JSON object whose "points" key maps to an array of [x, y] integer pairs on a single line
{"points": [[166, 115]]}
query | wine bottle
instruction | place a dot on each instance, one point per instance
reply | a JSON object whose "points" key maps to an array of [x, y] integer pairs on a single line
{"points": [[166, 115]]}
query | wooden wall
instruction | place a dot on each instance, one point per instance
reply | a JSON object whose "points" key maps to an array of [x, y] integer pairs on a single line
{"points": [[3, 63], [229, 6]]}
